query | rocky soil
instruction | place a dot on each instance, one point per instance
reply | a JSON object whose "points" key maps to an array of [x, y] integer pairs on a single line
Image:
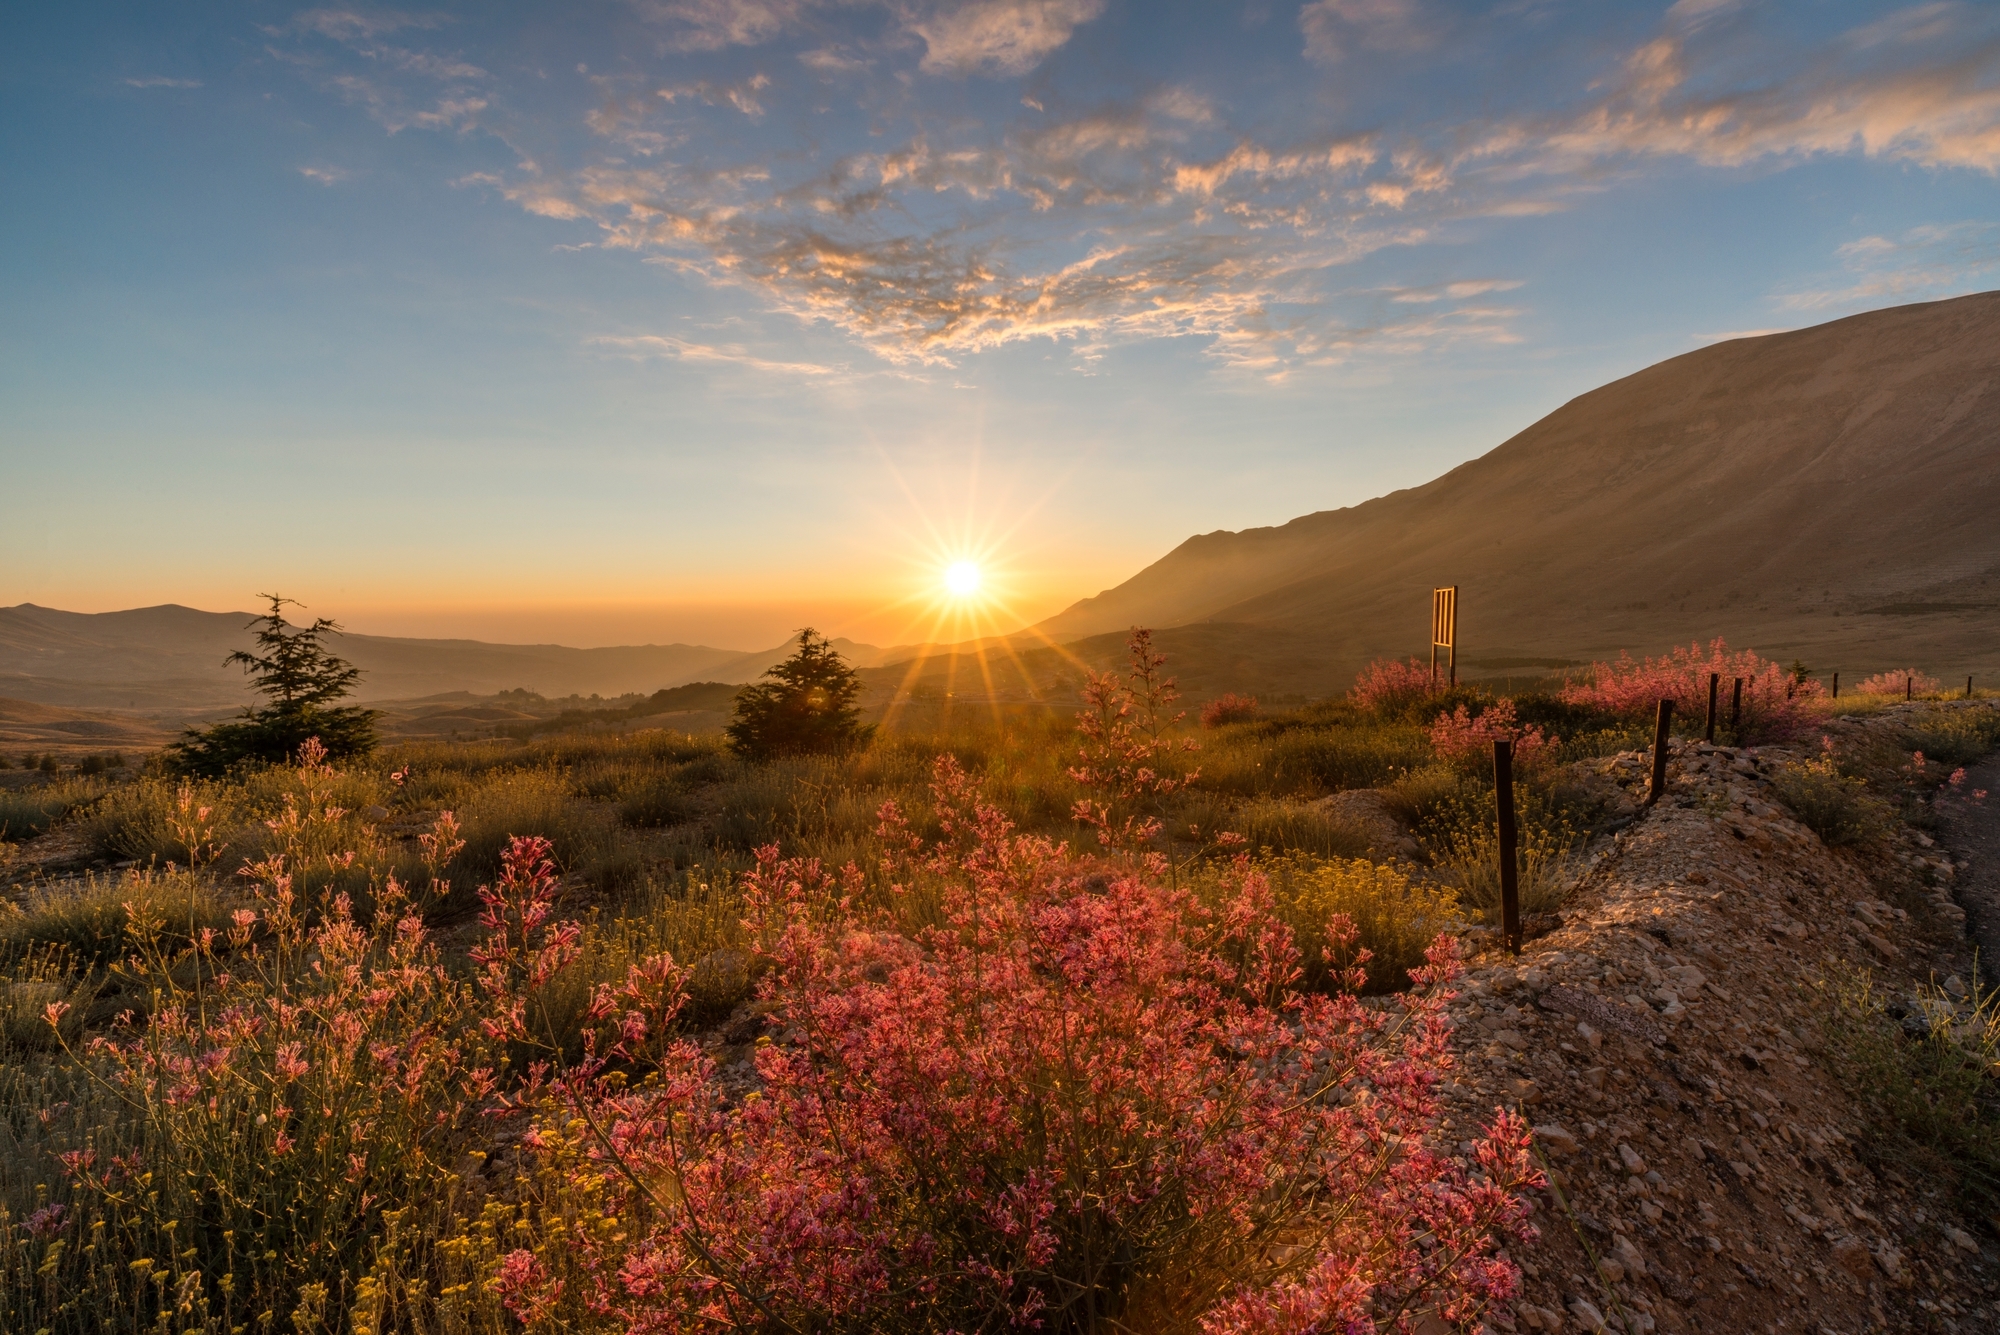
{"points": [[1667, 1045]]}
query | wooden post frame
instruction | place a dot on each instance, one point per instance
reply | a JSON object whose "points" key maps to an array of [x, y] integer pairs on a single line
{"points": [[1714, 686], [1836, 685], [1662, 733], [1444, 630], [1510, 883]]}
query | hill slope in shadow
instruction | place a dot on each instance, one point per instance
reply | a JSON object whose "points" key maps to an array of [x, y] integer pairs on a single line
{"points": [[1832, 492], [169, 659]]}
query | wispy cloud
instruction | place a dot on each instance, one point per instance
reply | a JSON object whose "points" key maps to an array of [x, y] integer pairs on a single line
{"points": [[1335, 29], [727, 354], [1928, 262], [326, 175], [993, 37], [742, 95], [162, 81], [1149, 216]]}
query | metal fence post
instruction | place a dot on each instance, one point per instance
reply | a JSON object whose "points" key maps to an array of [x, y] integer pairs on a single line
{"points": [[1661, 732], [1510, 886], [1714, 685]]}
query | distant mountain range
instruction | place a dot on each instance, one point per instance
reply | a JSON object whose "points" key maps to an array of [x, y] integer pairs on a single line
{"points": [[170, 659], [1831, 493]]}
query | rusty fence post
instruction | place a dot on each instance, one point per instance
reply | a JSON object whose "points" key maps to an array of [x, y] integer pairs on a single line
{"points": [[1736, 713], [1909, 687], [1714, 685], [1510, 885], [1661, 732], [1836, 685]]}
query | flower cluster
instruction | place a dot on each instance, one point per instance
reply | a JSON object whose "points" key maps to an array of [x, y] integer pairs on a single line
{"points": [[1775, 704], [1228, 708], [1078, 1098], [1461, 739], [1903, 681], [1123, 728], [1387, 688]]}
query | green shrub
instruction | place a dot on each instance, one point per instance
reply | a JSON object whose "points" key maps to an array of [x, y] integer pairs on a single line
{"points": [[1832, 805], [1288, 827], [1462, 837], [1924, 1071], [1397, 918], [148, 820], [27, 812], [1954, 736], [663, 801], [89, 919], [536, 801], [1283, 757]]}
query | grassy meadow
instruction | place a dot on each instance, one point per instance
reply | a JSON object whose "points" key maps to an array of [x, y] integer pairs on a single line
{"points": [[250, 1077]]}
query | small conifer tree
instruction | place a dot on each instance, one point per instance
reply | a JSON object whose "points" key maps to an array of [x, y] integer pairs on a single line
{"points": [[805, 705], [301, 680]]}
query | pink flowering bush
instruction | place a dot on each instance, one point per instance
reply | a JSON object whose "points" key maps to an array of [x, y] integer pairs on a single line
{"points": [[1079, 1101], [1467, 742], [1899, 682], [1389, 689], [1122, 738], [1228, 708], [1775, 707], [284, 1084]]}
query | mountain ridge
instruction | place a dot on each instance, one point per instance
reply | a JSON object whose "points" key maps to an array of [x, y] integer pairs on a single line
{"points": [[1753, 488]]}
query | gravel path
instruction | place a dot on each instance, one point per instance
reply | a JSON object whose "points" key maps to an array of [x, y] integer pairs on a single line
{"points": [[1972, 832]]}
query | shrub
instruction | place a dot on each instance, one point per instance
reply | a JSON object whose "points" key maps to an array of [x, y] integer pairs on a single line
{"points": [[528, 802], [1467, 741], [1775, 705], [1309, 761], [293, 1079], [1463, 839], [1228, 708], [1081, 1106], [1922, 1069], [1832, 805], [1290, 827], [1123, 756], [1900, 682], [154, 821], [660, 802], [89, 920], [27, 812], [1395, 919], [1388, 689], [804, 705], [1955, 736]]}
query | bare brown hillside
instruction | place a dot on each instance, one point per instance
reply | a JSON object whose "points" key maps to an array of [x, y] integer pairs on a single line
{"points": [[1832, 492]]}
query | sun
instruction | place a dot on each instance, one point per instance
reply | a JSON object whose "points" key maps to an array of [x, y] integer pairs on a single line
{"points": [[962, 579]]}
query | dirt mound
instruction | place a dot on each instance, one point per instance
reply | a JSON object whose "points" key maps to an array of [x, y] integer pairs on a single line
{"points": [[1667, 1044]]}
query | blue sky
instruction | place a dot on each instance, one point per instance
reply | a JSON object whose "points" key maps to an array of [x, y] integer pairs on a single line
{"points": [[699, 319]]}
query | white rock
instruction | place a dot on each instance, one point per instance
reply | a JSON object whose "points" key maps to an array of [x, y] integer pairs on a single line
{"points": [[1961, 1239]]}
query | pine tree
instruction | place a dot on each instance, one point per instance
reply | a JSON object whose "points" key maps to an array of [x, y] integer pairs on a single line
{"points": [[301, 680], [804, 705]]}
